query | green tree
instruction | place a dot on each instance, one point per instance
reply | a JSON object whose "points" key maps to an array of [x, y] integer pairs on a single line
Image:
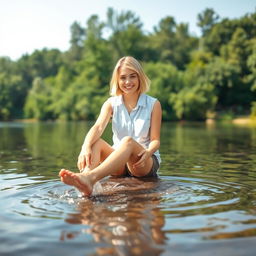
{"points": [[60, 104], [207, 19], [163, 39], [185, 44], [235, 54], [193, 102], [90, 87], [79, 95], [76, 42], [251, 64], [12, 90], [222, 32], [126, 35], [41, 63], [165, 79], [236, 51], [197, 96], [172, 42], [188, 81], [38, 100]]}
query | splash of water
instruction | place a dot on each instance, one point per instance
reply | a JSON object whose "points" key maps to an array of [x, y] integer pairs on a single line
{"points": [[97, 188]]}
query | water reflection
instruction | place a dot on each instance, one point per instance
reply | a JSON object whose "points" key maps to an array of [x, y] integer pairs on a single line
{"points": [[127, 221]]}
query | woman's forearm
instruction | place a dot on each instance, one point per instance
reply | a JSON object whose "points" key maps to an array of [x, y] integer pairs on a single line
{"points": [[92, 136], [98, 128], [153, 146]]}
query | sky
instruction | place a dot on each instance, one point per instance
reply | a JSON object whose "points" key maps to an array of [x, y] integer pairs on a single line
{"points": [[27, 25]]}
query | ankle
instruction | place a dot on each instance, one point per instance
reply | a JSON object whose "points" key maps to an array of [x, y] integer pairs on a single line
{"points": [[85, 170], [89, 176], [93, 177]]}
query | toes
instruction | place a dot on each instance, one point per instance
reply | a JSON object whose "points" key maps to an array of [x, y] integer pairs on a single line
{"points": [[74, 179], [63, 172]]}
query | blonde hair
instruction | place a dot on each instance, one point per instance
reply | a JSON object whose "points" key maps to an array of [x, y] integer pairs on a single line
{"points": [[130, 63]]}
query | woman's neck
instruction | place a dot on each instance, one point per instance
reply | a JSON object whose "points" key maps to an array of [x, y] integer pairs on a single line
{"points": [[130, 101]]}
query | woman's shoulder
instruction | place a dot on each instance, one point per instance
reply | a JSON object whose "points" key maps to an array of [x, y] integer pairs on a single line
{"points": [[150, 98], [115, 100], [151, 102]]}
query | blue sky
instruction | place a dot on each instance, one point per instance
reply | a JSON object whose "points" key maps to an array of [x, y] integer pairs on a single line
{"points": [[26, 25]]}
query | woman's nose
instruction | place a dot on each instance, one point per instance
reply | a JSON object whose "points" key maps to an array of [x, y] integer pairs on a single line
{"points": [[127, 81]]}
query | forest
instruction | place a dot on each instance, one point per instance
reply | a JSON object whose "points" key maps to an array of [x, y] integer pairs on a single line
{"points": [[194, 78]]}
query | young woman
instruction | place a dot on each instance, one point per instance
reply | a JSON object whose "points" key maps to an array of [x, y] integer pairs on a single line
{"points": [[136, 124]]}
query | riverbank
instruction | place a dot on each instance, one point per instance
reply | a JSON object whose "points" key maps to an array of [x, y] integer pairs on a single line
{"points": [[244, 121]]}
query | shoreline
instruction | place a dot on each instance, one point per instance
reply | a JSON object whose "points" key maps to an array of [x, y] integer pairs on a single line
{"points": [[244, 121], [237, 121]]}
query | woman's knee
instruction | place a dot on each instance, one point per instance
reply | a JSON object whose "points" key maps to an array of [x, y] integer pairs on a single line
{"points": [[127, 142]]}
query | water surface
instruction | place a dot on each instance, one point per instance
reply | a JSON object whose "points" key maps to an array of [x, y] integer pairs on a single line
{"points": [[204, 202]]}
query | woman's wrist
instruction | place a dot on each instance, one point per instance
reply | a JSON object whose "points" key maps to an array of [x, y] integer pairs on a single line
{"points": [[149, 152], [86, 146], [153, 147], [83, 150]]}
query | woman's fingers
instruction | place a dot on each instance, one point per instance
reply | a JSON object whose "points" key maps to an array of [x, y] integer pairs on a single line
{"points": [[144, 155], [84, 158], [141, 162], [141, 152], [81, 162], [88, 160]]}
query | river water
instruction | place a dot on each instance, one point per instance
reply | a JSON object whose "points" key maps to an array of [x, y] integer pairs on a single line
{"points": [[203, 203]]}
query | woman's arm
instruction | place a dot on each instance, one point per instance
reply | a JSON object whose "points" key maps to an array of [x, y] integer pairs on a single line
{"points": [[155, 128], [94, 134]]}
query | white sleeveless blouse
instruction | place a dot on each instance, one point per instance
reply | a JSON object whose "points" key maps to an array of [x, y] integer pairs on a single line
{"points": [[136, 124]]}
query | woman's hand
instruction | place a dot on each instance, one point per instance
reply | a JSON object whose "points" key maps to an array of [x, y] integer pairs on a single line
{"points": [[84, 159], [144, 155]]}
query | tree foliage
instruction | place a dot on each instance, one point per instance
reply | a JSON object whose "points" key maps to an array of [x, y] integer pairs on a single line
{"points": [[191, 76], [207, 19]]}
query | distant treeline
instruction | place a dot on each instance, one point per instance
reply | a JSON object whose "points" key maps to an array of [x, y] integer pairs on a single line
{"points": [[193, 77]]}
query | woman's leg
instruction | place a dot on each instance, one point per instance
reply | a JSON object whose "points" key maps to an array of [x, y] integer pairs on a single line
{"points": [[127, 152], [100, 151]]}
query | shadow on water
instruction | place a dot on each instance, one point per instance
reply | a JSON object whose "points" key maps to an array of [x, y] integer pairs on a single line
{"points": [[204, 202]]}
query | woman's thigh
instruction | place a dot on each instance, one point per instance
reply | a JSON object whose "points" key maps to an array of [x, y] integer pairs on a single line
{"points": [[104, 148], [137, 148], [105, 151]]}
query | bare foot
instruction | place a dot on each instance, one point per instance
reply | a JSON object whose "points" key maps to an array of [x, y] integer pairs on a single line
{"points": [[77, 180]]}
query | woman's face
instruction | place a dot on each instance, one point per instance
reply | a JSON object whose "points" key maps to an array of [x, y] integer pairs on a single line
{"points": [[128, 81]]}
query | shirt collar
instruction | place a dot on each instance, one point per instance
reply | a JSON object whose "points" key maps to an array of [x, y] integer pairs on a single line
{"points": [[141, 101]]}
